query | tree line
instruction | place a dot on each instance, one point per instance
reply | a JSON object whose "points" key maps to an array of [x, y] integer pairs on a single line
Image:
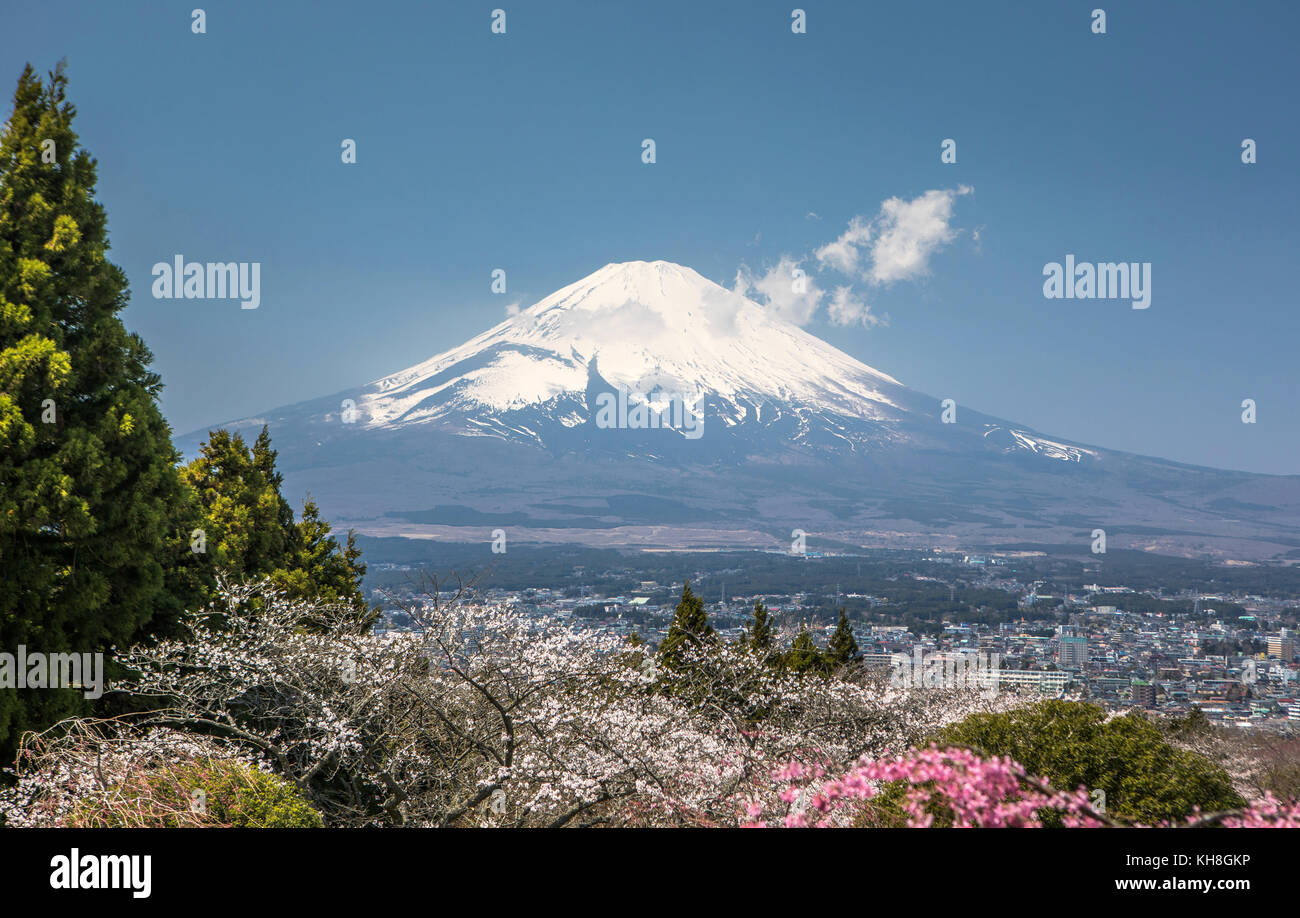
{"points": [[106, 537]]}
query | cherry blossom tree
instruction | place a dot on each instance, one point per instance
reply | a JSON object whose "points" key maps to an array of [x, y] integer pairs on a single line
{"points": [[485, 716]]}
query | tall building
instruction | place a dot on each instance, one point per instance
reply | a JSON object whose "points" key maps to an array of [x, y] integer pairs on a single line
{"points": [[1072, 650], [1282, 646], [1143, 693]]}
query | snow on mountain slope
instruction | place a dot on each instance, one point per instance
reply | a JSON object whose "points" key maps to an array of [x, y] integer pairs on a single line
{"points": [[505, 429], [1012, 440], [659, 331], [641, 326]]}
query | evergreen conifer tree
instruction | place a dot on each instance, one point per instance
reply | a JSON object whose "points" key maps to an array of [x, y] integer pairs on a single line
{"points": [[252, 533], [689, 628], [759, 635], [248, 524], [803, 655], [842, 649], [93, 537]]}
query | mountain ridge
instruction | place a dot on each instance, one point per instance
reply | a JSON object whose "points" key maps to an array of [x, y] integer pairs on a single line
{"points": [[795, 434]]}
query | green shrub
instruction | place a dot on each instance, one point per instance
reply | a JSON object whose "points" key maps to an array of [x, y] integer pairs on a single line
{"points": [[1144, 777], [204, 793]]}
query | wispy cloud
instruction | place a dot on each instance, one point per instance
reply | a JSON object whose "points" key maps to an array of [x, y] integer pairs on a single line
{"points": [[784, 288], [895, 245], [847, 309], [909, 232], [845, 252]]}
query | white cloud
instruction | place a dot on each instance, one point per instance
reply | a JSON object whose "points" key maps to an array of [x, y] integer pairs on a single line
{"points": [[785, 289], [895, 245], [909, 233], [846, 309], [843, 253], [512, 309]]}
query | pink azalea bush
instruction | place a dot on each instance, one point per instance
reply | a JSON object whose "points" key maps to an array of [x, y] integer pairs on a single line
{"points": [[1268, 813], [954, 787]]}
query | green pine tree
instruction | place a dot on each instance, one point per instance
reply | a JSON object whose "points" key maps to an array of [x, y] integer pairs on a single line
{"points": [[803, 655], [93, 516], [759, 635], [251, 531], [247, 523], [842, 649], [689, 628], [318, 568]]}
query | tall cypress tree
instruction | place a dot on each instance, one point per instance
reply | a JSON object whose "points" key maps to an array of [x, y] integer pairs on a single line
{"points": [[91, 506]]}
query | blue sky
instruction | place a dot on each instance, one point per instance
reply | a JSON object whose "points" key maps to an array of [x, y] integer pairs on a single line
{"points": [[523, 151]]}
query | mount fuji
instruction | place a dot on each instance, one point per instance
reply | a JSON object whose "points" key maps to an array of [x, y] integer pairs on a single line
{"points": [[786, 432]]}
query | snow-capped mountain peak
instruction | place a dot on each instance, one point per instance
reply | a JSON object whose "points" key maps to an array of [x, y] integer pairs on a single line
{"points": [[785, 433], [641, 325]]}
